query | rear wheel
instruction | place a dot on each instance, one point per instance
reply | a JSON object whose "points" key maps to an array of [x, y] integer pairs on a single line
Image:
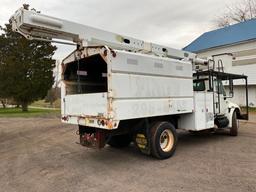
{"points": [[120, 141], [163, 140], [234, 128]]}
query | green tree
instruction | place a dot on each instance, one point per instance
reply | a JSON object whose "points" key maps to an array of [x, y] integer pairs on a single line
{"points": [[26, 67]]}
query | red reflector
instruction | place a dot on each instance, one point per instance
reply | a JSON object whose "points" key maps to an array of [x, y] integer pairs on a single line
{"points": [[64, 118]]}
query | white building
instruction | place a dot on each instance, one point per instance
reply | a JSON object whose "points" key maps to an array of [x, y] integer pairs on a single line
{"points": [[240, 41]]}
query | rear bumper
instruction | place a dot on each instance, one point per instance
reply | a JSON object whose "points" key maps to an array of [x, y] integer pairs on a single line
{"points": [[90, 121]]}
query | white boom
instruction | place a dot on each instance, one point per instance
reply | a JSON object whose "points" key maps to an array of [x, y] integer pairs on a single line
{"points": [[34, 25]]}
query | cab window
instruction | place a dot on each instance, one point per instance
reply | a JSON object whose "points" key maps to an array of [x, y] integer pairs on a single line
{"points": [[220, 89], [199, 85]]}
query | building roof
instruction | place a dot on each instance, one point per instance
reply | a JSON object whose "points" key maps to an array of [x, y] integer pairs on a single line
{"points": [[238, 33]]}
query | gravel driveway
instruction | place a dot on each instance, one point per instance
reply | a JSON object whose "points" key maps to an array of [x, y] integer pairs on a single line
{"points": [[41, 154]]}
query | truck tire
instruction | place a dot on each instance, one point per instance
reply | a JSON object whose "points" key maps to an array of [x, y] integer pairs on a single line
{"points": [[163, 140], [120, 141], [234, 128]]}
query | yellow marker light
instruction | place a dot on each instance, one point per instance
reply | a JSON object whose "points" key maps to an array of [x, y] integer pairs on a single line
{"points": [[110, 125], [86, 121]]}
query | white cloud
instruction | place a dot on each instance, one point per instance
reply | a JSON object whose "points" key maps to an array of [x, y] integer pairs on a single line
{"points": [[173, 23]]}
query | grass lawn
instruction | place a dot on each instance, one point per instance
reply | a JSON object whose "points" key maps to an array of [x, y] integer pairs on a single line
{"points": [[42, 103], [251, 109], [32, 112]]}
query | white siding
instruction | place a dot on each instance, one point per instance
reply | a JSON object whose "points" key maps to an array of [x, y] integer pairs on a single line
{"points": [[245, 55], [239, 96]]}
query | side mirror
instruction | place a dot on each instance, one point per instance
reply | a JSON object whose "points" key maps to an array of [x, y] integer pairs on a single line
{"points": [[231, 94], [231, 90]]}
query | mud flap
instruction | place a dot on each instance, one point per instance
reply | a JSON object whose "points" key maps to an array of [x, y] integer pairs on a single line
{"points": [[93, 140], [243, 116]]}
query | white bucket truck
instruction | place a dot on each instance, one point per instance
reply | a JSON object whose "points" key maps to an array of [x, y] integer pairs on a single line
{"points": [[119, 89]]}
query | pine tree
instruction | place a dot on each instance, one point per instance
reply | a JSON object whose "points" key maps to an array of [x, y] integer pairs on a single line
{"points": [[26, 67]]}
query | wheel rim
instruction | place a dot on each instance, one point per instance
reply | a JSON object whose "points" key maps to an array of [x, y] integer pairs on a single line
{"points": [[166, 140]]}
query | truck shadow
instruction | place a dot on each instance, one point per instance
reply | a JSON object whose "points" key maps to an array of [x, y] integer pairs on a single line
{"points": [[187, 141], [187, 138]]}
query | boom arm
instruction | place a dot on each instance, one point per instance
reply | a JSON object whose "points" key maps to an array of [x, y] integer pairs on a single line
{"points": [[34, 25]]}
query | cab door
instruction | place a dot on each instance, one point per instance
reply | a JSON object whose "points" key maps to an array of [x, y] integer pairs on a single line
{"points": [[220, 104]]}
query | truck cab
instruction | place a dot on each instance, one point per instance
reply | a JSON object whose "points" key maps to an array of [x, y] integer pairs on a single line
{"points": [[218, 83]]}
